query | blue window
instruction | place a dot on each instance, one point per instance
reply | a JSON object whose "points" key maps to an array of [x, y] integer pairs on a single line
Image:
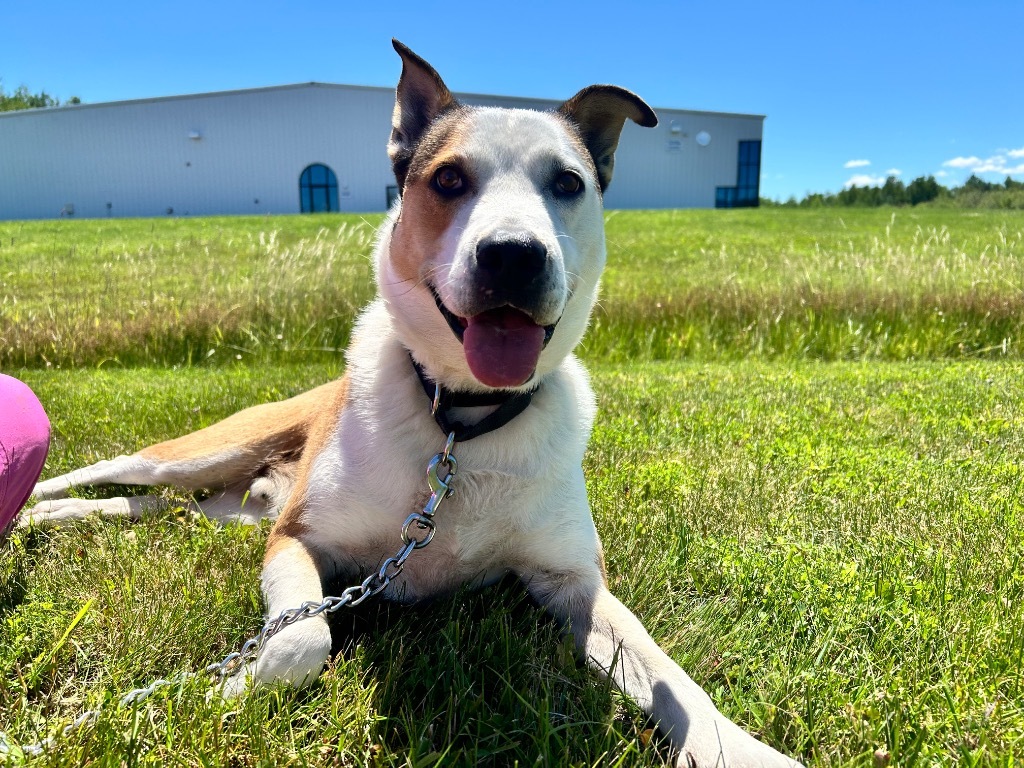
{"points": [[748, 179], [725, 197], [318, 190]]}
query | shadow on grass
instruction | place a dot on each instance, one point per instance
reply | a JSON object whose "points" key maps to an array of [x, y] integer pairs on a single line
{"points": [[484, 678], [12, 565]]}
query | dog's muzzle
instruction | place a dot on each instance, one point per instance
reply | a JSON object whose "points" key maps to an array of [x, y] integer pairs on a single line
{"points": [[458, 324], [502, 345], [510, 279]]}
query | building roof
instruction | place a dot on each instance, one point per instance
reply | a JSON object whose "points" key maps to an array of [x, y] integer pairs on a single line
{"points": [[328, 86]]}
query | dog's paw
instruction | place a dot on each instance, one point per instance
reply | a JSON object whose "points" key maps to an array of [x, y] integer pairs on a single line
{"points": [[726, 744], [54, 488], [65, 510], [295, 656]]}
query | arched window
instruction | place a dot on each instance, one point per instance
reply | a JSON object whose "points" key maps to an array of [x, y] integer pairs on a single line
{"points": [[318, 189]]}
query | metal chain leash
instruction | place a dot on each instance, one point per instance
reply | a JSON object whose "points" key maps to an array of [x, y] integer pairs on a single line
{"points": [[374, 584]]}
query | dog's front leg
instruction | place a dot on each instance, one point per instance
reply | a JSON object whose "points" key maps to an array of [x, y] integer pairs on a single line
{"points": [[297, 653], [617, 645]]}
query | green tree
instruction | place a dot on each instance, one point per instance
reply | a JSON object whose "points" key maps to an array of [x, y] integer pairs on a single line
{"points": [[893, 192], [923, 189], [974, 184], [973, 193], [22, 98], [863, 197]]}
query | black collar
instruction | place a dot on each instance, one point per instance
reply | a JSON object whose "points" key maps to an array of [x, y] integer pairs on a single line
{"points": [[510, 404]]}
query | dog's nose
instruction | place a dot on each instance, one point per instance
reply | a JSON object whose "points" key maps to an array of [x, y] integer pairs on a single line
{"points": [[511, 260]]}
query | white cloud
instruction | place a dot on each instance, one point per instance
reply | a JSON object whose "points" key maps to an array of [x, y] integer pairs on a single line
{"points": [[856, 163], [1003, 163], [864, 180], [995, 164], [894, 172], [963, 162]]}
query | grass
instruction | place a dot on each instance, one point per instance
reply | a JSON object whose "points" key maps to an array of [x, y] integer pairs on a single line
{"points": [[828, 536], [840, 285], [181, 292], [824, 285]]}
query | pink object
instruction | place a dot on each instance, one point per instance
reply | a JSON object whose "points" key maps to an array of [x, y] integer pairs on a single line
{"points": [[24, 443]]}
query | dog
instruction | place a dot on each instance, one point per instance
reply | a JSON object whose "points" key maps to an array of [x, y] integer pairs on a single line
{"points": [[488, 268]]}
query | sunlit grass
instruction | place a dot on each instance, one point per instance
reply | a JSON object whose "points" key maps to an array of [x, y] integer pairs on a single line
{"points": [[824, 285], [834, 550], [179, 292]]}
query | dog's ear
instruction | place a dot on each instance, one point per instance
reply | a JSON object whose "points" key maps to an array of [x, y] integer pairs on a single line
{"points": [[599, 112], [420, 98]]}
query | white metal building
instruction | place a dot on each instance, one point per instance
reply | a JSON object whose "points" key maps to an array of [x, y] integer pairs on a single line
{"points": [[311, 146]]}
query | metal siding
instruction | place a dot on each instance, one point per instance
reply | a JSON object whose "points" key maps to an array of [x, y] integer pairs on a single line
{"points": [[648, 174], [254, 145]]}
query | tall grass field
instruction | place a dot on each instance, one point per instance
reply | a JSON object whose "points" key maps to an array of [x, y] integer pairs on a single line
{"points": [[806, 471]]}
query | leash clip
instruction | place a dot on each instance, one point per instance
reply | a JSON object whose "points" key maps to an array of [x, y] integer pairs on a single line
{"points": [[440, 487], [436, 402]]}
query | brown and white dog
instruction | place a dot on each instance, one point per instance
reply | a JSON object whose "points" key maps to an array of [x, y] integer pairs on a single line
{"points": [[487, 268]]}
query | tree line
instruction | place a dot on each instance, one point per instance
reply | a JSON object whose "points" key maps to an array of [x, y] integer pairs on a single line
{"points": [[23, 98], [973, 193]]}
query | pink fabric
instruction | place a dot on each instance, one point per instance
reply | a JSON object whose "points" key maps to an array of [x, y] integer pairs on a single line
{"points": [[24, 443]]}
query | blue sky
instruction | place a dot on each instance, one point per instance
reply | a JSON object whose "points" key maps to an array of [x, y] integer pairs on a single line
{"points": [[852, 90]]}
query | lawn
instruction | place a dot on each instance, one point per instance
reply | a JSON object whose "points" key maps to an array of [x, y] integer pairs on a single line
{"points": [[806, 471], [836, 284]]}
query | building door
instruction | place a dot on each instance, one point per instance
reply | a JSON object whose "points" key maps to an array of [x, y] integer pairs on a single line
{"points": [[318, 189]]}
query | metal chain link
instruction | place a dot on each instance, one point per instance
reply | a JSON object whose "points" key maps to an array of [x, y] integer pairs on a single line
{"points": [[374, 584]]}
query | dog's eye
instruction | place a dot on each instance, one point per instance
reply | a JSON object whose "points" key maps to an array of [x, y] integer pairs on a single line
{"points": [[448, 180], [568, 183]]}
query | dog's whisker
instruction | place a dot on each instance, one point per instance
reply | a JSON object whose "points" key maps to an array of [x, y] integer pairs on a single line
{"points": [[414, 284]]}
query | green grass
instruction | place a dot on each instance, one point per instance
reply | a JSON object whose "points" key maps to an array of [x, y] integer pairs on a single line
{"points": [[825, 285], [833, 549], [817, 284], [181, 292]]}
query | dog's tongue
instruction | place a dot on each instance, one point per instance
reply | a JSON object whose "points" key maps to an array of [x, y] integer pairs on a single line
{"points": [[502, 347]]}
